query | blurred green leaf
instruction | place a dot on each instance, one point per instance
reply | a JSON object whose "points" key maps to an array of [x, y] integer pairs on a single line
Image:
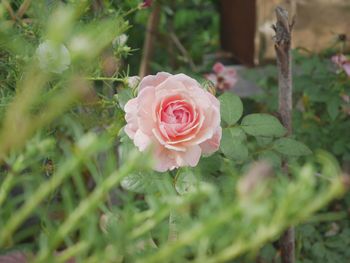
{"points": [[272, 157], [123, 96], [144, 181], [263, 141], [333, 107], [186, 181]]}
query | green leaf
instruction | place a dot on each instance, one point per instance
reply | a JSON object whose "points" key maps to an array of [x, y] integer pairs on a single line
{"points": [[209, 165], [233, 144], [126, 147], [263, 141], [318, 250], [268, 253], [145, 182], [138, 181], [231, 108], [123, 96], [333, 107], [260, 124], [291, 147], [186, 182]]}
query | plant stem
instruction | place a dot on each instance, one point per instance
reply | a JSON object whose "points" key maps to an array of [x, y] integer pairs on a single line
{"points": [[106, 78], [6, 187], [173, 230], [328, 217], [87, 205], [148, 46], [282, 39], [33, 201]]}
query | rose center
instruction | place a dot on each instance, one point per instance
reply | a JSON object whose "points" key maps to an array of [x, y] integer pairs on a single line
{"points": [[176, 113]]}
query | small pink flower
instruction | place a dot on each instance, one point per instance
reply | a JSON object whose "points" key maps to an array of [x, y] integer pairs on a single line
{"points": [[175, 115], [343, 62], [346, 68], [146, 3], [223, 77]]}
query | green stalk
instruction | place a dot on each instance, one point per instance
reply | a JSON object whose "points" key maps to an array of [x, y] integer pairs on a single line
{"points": [[6, 187], [87, 205], [43, 191], [70, 252]]}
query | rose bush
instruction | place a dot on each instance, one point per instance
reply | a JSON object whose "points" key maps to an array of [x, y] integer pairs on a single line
{"points": [[175, 115]]}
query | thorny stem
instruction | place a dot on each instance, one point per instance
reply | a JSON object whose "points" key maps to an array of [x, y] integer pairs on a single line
{"points": [[106, 78]]}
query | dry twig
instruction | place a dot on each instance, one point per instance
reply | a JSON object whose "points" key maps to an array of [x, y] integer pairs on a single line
{"points": [[23, 8], [9, 9], [283, 37], [148, 46]]}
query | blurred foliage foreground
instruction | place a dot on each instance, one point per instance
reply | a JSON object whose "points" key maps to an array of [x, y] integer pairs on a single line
{"points": [[63, 158]]}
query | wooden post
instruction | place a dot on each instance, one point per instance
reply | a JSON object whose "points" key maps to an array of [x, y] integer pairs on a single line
{"points": [[237, 29], [283, 37]]}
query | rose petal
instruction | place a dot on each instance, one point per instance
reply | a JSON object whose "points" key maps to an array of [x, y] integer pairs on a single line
{"points": [[141, 140], [187, 81], [131, 117], [146, 110], [164, 160], [212, 145], [339, 59], [190, 157], [153, 80], [346, 67], [218, 67], [165, 144]]}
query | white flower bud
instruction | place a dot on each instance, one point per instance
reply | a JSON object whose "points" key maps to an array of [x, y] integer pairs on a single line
{"points": [[53, 57], [120, 41], [133, 81]]}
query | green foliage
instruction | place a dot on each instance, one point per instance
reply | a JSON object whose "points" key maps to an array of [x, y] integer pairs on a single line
{"points": [[259, 124], [264, 127], [320, 120], [234, 144], [144, 182], [231, 108], [290, 147], [320, 116], [186, 182]]}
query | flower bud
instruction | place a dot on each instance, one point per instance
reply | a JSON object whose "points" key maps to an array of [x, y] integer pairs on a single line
{"points": [[53, 57]]}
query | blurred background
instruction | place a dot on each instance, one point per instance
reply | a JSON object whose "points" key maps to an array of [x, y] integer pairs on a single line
{"points": [[195, 33]]}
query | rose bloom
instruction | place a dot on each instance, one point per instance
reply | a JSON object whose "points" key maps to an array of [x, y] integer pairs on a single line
{"points": [[175, 115], [223, 77], [342, 62]]}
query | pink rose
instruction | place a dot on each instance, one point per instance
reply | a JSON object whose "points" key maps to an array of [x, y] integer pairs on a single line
{"points": [[342, 62], [223, 77], [175, 115]]}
